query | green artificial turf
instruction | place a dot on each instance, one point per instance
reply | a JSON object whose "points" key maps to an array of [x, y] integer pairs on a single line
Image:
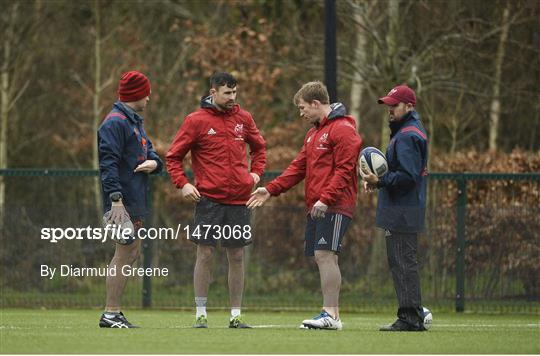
{"points": [[162, 332]]}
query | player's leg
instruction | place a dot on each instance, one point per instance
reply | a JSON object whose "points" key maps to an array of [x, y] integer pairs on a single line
{"points": [[202, 275], [123, 255], [235, 256], [237, 217], [327, 261], [323, 241], [207, 214], [401, 252], [115, 285]]}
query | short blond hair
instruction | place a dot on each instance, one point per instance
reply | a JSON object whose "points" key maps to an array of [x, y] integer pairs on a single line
{"points": [[312, 91]]}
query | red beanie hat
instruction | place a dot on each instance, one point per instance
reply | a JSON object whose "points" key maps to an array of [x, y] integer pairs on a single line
{"points": [[133, 86]]}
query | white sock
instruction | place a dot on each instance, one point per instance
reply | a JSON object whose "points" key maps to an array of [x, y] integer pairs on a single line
{"points": [[200, 311], [200, 302], [235, 312]]}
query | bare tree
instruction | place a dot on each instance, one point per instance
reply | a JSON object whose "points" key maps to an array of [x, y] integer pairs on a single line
{"points": [[361, 10], [495, 109], [16, 58], [96, 92]]}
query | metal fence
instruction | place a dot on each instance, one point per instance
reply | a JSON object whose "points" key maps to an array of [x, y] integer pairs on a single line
{"points": [[480, 251]]}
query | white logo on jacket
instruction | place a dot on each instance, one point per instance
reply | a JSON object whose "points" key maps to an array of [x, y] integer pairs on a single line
{"points": [[239, 129], [324, 137], [211, 131]]}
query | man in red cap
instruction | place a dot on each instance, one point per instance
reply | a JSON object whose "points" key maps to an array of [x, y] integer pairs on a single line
{"points": [[126, 157], [402, 202]]}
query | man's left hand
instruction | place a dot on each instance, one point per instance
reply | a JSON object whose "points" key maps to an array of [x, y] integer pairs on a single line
{"points": [[147, 166], [319, 210]]}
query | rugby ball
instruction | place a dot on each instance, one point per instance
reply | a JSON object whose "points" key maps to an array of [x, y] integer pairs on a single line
{"points": [[428, 318], [374, 161]]}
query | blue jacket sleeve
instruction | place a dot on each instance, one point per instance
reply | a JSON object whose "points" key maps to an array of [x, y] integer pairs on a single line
{"points": [[409, 165], [152, 154], [111, 139]]}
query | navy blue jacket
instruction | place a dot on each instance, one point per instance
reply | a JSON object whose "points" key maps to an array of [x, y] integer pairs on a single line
{"points": [[402, 191], [123, 145]]}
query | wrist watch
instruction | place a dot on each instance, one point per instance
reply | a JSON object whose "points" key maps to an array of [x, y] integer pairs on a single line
{"points": [[116, 196]]}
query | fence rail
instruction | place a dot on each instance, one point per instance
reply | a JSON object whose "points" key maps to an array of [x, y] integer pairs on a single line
{"points": [[460, 182]]}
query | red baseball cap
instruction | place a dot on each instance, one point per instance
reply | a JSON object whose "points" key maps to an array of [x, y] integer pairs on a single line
{"points": [[399, 94]]}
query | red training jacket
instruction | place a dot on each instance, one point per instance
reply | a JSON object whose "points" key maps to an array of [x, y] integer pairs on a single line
{"points": [[328, 161], [217, 141]]}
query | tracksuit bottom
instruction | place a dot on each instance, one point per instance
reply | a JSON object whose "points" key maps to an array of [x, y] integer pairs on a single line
{"points": [[401, 252]]}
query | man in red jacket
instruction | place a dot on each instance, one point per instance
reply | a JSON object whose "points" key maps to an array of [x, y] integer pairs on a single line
{"points": [[328, 163], [216, 134]]}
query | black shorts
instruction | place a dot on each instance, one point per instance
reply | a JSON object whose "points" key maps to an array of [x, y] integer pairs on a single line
{"points": [[326, 233], [215, 222]]}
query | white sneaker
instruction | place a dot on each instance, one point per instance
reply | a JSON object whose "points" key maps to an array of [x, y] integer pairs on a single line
{"points": [[322, 321]]}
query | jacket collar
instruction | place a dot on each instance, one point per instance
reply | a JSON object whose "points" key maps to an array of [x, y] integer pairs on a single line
{"points": [[337, 110], [129, 112], [208, 104], [410, 117]]}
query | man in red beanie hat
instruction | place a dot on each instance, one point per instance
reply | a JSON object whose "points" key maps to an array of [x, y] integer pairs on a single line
{"points": [[126, 157], [401, 203]]}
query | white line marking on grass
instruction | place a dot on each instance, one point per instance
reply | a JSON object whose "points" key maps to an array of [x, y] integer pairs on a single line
{"points": [[270, 326], [277, 326], [487, 325]]}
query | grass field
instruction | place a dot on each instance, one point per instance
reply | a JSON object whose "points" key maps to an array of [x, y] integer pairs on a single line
{"points": [[76, 331]]}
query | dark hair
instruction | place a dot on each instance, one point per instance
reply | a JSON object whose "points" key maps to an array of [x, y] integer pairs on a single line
{"points": [[222, 78]]}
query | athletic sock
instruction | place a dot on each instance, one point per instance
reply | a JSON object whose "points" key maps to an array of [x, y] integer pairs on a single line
{"points": [[235, 312], [110, 315], [200, 302]]}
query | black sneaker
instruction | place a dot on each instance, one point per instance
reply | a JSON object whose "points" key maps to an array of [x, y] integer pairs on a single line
{"points": [[115, 320], [400, 325], [238, 323]]}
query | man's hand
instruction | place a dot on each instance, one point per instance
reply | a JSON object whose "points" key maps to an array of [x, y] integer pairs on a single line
{"points": [[370, 180], [147, 166], [319, 210], [118, 213], [256, 178], [191, 193], [369, 188], [258, 197], [368, 176]]}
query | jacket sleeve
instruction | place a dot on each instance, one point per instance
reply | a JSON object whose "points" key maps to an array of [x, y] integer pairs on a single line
{"points": [[111, 139], [409, 168], [347, 145], [293, 175], [152, 154], [182, 143], [257, 147]]}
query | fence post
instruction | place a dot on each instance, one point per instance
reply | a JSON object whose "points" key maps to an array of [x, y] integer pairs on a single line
{"points": [[147, 248], [460, 243]]}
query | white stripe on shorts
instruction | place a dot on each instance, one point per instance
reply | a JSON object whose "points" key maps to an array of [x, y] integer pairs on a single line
{"points": [[337, 228]]}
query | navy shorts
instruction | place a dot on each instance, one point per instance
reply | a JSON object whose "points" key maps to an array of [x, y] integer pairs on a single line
{"points": [[215, 222], [326, 233]]}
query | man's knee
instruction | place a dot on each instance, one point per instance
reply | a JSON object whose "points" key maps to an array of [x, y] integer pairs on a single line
{"points": [[323, 257], [127, 254], [235, 255], [205, 254]]}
